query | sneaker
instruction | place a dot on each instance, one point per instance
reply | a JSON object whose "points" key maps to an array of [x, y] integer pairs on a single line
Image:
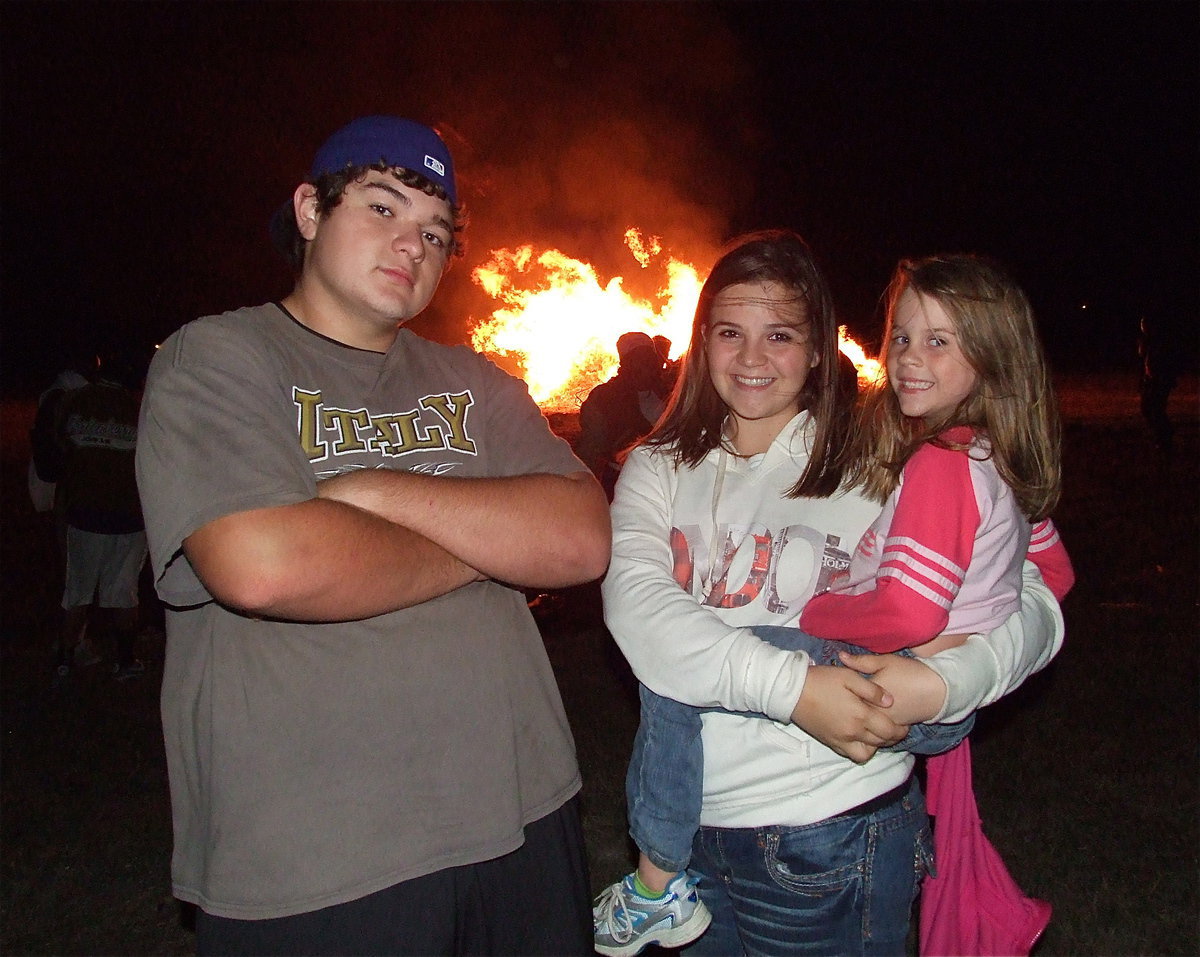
{"points": [[626, 923], [131, 670]]}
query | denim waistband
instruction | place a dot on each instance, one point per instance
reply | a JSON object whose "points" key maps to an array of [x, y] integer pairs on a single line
{"points": [[886, 799]]}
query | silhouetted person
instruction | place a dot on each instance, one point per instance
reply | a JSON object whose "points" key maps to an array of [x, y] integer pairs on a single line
{"points": [[97, 496], [1159, 373], [620, 411], [670, 367], [45, 460]]}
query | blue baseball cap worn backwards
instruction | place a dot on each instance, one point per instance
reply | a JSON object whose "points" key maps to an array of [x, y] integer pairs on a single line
{"points": [[390, 140]]}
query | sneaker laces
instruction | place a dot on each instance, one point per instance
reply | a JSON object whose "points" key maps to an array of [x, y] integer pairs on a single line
{"points": [[614, 912]]}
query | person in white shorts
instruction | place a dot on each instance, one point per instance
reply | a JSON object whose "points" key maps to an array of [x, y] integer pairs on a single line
{"points": [[96, 427]]}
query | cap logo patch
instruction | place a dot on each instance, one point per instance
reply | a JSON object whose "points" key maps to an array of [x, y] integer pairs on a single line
{"points": [[439, 168]]}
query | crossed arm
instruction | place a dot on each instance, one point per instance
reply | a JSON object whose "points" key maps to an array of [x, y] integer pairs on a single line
{"points": [[377, 540]]}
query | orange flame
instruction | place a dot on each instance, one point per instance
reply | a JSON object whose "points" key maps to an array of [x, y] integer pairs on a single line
{"points": [[561, 325], [869, 369]]}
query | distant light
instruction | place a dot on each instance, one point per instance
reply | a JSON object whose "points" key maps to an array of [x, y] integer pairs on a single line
{"points": [[1084, 306]]}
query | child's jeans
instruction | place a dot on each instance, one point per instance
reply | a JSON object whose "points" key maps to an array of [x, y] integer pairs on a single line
{"points": [[666, 771]]}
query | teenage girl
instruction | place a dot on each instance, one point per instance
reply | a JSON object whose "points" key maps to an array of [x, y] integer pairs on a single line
{"points": [[800, 837]]}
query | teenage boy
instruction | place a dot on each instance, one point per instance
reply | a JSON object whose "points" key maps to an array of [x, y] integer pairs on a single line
{"points": [[366, 745]]}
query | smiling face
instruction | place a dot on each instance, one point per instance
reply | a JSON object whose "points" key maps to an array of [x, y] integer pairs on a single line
{"points": [[925, 363], [759, 356], [373, 261]]}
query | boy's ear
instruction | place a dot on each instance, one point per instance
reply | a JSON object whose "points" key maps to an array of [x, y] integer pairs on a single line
{"points": [[304, 205]]}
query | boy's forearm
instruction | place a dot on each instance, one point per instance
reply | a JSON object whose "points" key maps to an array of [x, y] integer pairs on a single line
{"points": [[320, 561], [530, 530]]}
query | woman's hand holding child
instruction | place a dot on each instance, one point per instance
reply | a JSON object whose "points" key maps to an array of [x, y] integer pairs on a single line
{"points": [[845, 712]]}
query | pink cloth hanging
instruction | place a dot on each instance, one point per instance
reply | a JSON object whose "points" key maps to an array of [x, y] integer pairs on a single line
{"points": [[973, 908]]}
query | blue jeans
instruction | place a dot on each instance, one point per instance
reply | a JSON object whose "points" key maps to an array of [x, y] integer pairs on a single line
{"points": [[843, 886], [664, 784]]}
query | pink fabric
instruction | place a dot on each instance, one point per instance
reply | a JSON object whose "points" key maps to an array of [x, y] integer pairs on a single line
{"points": [[973, 908]]}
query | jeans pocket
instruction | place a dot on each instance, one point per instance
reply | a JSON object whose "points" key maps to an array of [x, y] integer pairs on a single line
{"points": [[816, 860]]}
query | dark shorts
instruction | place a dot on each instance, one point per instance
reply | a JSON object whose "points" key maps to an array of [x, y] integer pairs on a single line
{"points": [[535, 900]]}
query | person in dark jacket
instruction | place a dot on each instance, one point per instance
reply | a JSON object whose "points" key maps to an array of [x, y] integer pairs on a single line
{"points": [[620, 411]]}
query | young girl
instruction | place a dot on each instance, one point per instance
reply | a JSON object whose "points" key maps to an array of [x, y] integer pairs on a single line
{"points": [[758, 398], [961, 444]]}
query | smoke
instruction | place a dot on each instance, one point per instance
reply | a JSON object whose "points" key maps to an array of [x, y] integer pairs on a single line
{"points": [[568, 122], [569, 125]]}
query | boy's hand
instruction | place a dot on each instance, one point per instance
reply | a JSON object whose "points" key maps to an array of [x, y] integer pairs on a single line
{"points": [[919, 691], [845, 712]]}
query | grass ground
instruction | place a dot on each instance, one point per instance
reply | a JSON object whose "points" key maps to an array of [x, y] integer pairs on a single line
{"points": [[1087, 777]]}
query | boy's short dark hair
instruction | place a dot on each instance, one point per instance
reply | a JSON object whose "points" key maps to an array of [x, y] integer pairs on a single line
{"points": [[331, 186]]}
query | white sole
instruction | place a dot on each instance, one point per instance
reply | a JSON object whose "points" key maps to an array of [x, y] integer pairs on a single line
{"points": [[671, 938]]}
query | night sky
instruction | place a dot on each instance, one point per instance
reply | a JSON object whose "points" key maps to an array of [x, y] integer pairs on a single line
{"points": [[144, 147]]}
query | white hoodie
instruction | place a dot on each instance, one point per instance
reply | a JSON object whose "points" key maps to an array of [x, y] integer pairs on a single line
{"points": [[685, 628]]}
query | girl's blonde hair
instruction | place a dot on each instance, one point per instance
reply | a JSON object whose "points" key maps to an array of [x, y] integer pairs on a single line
{"points": [[1012, 405], [695, 416]]}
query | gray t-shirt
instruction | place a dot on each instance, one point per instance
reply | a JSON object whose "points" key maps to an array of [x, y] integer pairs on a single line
{"points": [[313, 764]]}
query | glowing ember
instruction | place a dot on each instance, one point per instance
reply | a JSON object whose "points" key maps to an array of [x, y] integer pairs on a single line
{"points": [[561, 325]]}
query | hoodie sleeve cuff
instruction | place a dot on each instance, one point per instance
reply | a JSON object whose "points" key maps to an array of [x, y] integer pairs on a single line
{"points": [[787, 688], [961, 669]]}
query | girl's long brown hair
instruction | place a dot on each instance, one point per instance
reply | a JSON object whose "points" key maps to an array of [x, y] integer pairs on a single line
{"points": [[695, 416], [1013, 402]]}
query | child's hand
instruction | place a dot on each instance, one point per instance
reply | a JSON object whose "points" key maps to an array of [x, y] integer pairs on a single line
{"points": [[845, 712], [919, 691]]}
